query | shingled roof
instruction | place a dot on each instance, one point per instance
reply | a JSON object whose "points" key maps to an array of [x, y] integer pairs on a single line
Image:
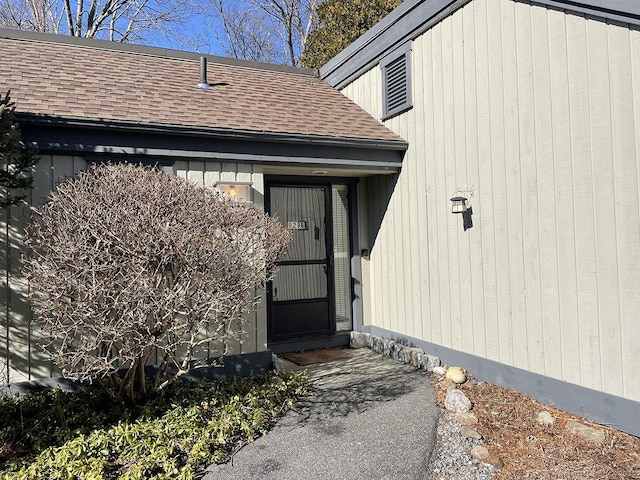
{"points": [[102, 81]]}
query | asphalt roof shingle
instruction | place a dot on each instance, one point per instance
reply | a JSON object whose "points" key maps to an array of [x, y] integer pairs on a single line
{"points": [[157, 86]]}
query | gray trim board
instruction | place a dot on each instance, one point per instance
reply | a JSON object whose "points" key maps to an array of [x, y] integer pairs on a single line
{"points": [[356, 262], [158, 145], [625, 11], [620, 413], [27, 119], [402, 25], [413, 17]]}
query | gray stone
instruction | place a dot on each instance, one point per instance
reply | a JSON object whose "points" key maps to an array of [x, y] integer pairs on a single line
{"points": [[591, 434], [278, 364], [545, 419], [360, 339], [387, 345], [456, 401], [412, 355], [468, 432], [396, 351], [467, 418], [430, 362], [377, 344], [439, 371], [479, 452]]}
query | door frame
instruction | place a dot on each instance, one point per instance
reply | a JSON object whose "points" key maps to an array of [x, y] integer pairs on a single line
{"points": [[334, 338]]}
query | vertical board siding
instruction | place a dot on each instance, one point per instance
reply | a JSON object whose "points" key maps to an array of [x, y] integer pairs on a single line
{"points": [[539, 110], [253, 329], [20, 357], [19, 350]]}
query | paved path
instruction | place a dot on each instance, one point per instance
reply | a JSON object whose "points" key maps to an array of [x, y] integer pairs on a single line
{"points": [[370, 417]]}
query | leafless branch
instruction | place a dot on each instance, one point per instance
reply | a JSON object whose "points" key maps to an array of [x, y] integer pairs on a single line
{"points": [[127, 261]]}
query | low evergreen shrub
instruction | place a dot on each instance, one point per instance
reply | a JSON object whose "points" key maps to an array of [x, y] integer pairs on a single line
{"points": [[60, 435]]}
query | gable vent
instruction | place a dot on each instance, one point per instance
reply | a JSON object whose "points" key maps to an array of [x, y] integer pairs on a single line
{"points": [[396, 84]]}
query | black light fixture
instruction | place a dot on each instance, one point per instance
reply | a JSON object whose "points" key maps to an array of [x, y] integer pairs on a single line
{"points": [[458, 205]]}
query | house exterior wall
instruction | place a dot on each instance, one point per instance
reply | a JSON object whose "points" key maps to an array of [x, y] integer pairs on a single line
{"points": [[254, 338], [538, 109], [20, 357]]}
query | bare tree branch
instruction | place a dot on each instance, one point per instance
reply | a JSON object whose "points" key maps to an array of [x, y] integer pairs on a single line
{"points": [[265, 30], [118, 20], [127, 261]]}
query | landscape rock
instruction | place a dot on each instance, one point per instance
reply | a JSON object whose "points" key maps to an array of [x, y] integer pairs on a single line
{"points": [[591, 434], [468, 432], [545, 419], [479, 452], [397, 351], [456, 374], [278, 364], [457, 402], [467, 418], [377, 344], [413, 355], [441, 371], [360, 339], [387, 345], [494, 460], [429, 362]]}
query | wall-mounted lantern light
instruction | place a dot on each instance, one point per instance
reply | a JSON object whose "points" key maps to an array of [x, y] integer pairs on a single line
{"points": [[240, 191], [458, 205]]}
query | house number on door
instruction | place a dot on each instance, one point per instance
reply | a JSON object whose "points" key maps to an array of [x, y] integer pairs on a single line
{"points": [[299, 225]]}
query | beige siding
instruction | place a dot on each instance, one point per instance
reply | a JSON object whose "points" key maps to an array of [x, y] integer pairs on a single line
{"points": [[18, 338], [254, 338], [539, 110]]}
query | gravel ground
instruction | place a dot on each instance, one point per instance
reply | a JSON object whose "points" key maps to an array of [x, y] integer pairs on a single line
{"points": [[451, 459]]}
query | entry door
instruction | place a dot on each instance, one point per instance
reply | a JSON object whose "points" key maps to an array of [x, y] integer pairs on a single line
{"points": [[301, 296]]}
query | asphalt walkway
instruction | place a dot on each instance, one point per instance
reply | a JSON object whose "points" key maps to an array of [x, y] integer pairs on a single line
{"points": [[369, 417]]}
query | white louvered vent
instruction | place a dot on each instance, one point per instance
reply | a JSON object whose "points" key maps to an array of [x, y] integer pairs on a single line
{"points": [[396, 83]]}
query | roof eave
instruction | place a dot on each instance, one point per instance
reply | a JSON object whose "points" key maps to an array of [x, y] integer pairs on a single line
{"points": [[218, 133]]}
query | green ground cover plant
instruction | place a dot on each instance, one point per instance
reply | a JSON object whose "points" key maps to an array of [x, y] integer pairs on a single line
{"points": [[82, 435]]}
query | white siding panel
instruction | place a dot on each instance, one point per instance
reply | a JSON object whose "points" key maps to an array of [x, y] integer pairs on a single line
{"points": [[539, 110], [496, 61], [563, 202], [627, 123], [585, 243]]}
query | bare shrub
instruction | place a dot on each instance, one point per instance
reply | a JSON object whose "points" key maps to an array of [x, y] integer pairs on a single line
{"points": [[128, 263]]}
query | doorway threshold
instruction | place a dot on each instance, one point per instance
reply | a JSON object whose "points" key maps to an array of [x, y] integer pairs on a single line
{"points": [[300, 344]]}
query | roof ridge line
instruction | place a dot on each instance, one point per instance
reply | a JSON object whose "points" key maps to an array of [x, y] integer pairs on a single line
{"points": [[147, 50]]}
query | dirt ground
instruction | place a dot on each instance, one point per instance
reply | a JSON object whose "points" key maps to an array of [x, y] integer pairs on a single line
{"points": [[508, 423]]}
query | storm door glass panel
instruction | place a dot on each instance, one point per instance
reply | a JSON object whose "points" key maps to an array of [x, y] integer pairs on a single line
{"points": [[299, 282], [301, 210], [341, 257]]}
